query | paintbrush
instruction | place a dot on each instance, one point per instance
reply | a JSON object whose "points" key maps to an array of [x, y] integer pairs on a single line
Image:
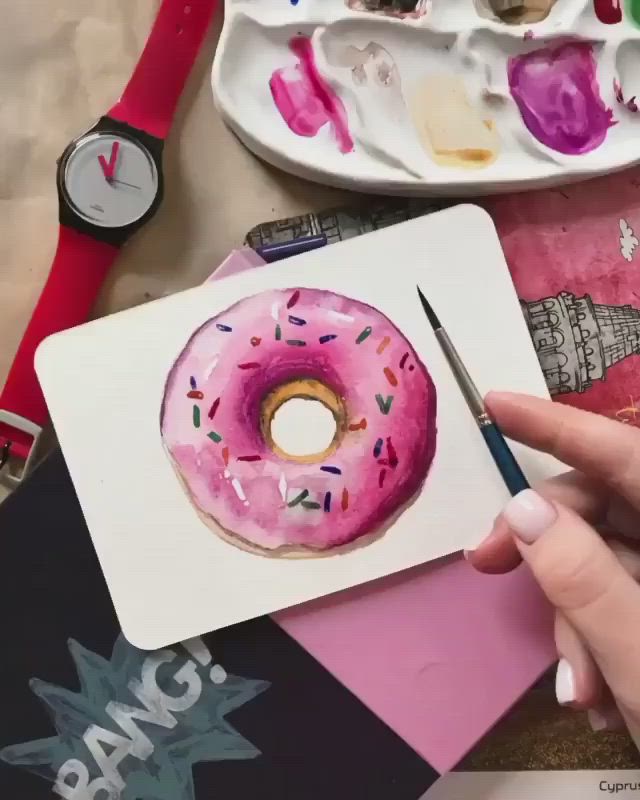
{"points": [[509, 468]]}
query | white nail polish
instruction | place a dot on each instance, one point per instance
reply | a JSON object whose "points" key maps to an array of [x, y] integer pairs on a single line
{"points": [[529, 515], [597, 721], [565, 683]]}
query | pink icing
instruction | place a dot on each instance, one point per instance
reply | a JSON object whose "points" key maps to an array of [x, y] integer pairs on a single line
{"points": [[305, 100], [557, 93], [251, 498]]}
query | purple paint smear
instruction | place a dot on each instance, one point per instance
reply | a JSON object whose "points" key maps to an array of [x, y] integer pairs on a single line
{"points": [[305, 99], [557, 93]]}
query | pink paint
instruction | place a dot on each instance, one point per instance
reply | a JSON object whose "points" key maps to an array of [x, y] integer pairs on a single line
{"points": [[305, 100], [557, 93]]}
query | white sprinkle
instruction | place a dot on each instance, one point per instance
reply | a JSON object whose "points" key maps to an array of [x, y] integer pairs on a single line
{"points": [[275, 311], [237, 487], [227, 474], [342, 317], [283, 487], [214, 364], [246, 502]]}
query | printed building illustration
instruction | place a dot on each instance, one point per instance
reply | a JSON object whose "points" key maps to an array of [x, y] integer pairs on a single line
{"points": [[577, 340]]}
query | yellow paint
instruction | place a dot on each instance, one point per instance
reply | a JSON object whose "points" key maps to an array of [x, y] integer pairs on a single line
{"points": [[450, 129]]}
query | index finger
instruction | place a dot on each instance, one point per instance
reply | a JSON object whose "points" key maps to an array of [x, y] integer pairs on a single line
{"points": [[601, 448]]}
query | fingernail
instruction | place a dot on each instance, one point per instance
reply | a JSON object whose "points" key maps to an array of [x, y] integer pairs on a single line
{"points": [[565, 683], [529, 515], [597, 720]]}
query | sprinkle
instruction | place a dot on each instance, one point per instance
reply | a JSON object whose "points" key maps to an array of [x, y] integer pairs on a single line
{"points": [[283, 487], [297, 321], [393, 456], [196, 416], [383, 345], [359, 426], [237, 487], [385, 405], [278, 333], [195, 395], [296, 343], [411, 367], [293, 299], [223, 328], [255, 341], [378, 448], [328, 338], [403, 360], [332, 470], [302, 496], [327, 502], [225, 455], [250, 458], [366, 333], [381, 477], [227, 474], [249, 365], [193, 383], [215, 437], [345, 499], [310, 505], [214, 364], [214, 408], [341, 317], [390, 376], [275, 311]]}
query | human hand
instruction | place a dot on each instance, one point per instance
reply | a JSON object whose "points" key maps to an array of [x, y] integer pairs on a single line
{"points": [[590, 576]]}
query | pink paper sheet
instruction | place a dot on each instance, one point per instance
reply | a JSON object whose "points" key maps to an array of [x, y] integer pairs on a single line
{"points": [[439, 652]]}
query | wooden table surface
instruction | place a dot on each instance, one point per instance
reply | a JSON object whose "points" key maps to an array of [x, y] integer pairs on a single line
{"points": [[62, 65]]}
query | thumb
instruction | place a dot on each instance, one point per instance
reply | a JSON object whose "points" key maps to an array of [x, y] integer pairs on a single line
{"points": [[583, 579]]}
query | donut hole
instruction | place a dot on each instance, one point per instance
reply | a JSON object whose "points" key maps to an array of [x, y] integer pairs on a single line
{"points": [[302, 421]]}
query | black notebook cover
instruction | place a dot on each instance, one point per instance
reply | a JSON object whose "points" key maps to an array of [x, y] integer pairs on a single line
{"points": [[242, 713]]}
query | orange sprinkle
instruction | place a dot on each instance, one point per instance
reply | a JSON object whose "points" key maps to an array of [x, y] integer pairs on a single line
{"points": [[359, 426], [345, 499], [390, 376], [225, 455], [383, 345]]}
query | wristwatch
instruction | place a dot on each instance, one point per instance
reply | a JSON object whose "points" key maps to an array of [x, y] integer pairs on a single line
{"points": [[109, 185]]}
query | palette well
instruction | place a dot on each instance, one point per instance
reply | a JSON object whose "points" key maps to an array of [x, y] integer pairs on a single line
{"points": [[434, 96]]}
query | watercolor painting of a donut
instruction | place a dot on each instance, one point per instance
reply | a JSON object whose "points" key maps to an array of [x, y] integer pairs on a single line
{"points": [[235, 423]]}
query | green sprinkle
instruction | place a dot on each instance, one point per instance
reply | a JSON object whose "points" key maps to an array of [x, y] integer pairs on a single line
{"points": [[215, 437], [196, 416], [366, 333], [303, 494], [278, 333], [310, 505], [296, 343], [384, 405]]}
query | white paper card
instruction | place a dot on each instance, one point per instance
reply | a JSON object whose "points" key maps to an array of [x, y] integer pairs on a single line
{"points": [[170, 575]]}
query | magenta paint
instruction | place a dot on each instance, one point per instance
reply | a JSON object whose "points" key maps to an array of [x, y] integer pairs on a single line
{"points": [[305, 100], [556, 90]]}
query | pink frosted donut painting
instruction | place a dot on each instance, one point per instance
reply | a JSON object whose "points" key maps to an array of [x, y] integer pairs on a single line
{"points": [[222, 422]]}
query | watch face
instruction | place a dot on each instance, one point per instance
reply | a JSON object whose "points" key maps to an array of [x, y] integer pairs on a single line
{"points": [[110, 180]]}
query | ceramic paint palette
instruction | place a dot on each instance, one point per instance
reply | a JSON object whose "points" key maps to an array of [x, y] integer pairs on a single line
{"points": [[444, 96]]}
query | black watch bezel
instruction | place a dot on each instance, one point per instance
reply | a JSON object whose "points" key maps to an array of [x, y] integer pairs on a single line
{"points": [[70, 217]]}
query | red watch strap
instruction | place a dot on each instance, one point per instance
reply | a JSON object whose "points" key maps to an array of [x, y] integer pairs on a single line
{"points": [[78, 271], [150, 99]]}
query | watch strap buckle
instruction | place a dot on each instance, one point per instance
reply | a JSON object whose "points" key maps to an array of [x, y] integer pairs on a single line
{"points": [[31, 429]]}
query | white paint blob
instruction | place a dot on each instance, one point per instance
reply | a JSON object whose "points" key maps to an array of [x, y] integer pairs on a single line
{"points": [[303, 427]]}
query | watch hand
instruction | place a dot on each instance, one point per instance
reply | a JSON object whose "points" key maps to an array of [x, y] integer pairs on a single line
{"points": [[124, 183], [109, 168]]}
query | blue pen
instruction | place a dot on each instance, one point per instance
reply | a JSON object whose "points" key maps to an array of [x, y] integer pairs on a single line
{"points": [[280, 250], [504, 459]]}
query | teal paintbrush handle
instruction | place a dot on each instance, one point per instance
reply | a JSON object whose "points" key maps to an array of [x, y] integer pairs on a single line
{"points": [[509, 468]]}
